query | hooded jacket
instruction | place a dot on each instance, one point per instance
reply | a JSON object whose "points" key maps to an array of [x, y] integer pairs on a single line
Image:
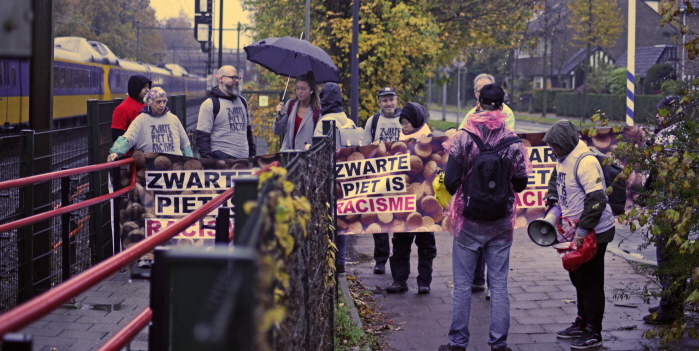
{"points": [[416, 114], [131, 107], [331, 109], [219, 136], [589, 204]]}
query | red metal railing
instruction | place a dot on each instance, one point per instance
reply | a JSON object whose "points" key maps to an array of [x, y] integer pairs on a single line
{"points": [[58, 175], [41, 305]]}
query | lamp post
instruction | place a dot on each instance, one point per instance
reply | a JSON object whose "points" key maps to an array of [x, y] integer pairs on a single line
{"points": [[459, 62]]}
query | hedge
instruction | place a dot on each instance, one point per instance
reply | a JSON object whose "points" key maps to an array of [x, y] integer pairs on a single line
{"points": [[550, 99], [571, 105]]}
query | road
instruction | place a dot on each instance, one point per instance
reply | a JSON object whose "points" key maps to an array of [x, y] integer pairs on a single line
{"points": [[520, 126]]}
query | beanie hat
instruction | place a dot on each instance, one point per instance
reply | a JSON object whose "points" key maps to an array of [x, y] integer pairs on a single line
{"points": [[155, 93], [415, 113]]}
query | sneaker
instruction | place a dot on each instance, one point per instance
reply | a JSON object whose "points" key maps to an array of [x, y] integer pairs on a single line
{"points": [[423, 290], [487, 294], [396, 288], [574, 331], [380, 268], [477, 288], [449, 347], [500, 348], [659, 317], [589, 339], [653, 309]]}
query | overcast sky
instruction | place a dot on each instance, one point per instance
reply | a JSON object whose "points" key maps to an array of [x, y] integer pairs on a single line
{"points": [[232, 14]]}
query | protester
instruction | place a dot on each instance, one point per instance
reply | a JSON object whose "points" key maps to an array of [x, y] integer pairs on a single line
{"points": [[331, 109], [224, 128], [479, 82], [296, 120], [412, 118], [154, 130], [137, 87], [413, 122], [669, 308], [384, 126], [475, 236], [582, 198]]}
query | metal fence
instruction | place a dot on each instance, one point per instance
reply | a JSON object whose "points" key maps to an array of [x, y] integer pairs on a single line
{"points": [[30, 259]]}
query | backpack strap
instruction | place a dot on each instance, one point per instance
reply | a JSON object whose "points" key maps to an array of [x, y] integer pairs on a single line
{"points": [[478, 141], [374, 123], [217, 105], [316, 116], [501, 145], [577, 163], [291, 107]]}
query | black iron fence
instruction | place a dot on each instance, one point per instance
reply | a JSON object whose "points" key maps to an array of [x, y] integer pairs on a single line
{"points": [[31, 261]]}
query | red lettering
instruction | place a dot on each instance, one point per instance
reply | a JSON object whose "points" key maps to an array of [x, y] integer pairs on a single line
{"points": [[340, 208], [519, 200], [363, 208], [349, 207], [410, 204], [381, 204], [527, 201], [152, 227], [540, 201], [395, 204]]}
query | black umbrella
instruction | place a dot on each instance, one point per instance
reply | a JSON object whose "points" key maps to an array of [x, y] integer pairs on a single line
{"points": [[292, 57]]}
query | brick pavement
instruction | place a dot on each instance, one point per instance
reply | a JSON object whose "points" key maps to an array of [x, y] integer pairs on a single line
{"points": [[541, 298]]}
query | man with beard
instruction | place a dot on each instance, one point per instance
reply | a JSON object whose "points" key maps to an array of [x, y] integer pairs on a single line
{"points": [[224, 129]]}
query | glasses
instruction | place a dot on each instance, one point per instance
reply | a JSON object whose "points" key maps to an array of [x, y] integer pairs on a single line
{"points": [[232, 77]]}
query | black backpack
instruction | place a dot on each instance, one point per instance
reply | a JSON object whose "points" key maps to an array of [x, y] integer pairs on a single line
{"points": [[488, 194], [217, 105], [610, 170]]}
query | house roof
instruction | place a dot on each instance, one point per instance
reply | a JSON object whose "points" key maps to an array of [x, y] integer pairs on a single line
{"points": [[647, 56], [577, 59]]}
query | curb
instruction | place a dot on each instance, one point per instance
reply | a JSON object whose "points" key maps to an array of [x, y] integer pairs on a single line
{"points": [[629, 257], [342, 280]]}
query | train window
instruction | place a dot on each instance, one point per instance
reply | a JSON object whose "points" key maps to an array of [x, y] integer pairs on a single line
{"points": [[14, 77], [85, 79], [69, 78], [63, 77], [2, 64], [55, 77], [7, 77]]}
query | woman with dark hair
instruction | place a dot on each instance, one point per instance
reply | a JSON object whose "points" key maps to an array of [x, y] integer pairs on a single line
{"points": [[297, 119]]}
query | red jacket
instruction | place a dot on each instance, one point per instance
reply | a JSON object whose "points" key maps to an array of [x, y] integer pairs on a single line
{"points": [[125, 113]]}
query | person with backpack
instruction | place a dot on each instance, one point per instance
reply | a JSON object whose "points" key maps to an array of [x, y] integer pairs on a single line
{"points": [[224, 128], [578, 188], [384, 126], [296, 120], [487, 165]]}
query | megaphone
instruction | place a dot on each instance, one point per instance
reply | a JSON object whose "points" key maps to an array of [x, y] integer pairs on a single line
{"points": [[543, 230]]}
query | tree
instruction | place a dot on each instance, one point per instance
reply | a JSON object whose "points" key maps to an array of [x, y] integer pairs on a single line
{"points": [[656, 75], [402, 43], [595, 23], [615, 81], [113, 23], [178, 39], [671, 205]]}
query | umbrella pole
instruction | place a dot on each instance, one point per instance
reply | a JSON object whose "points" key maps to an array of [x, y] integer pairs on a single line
{"points": [[289, 78]]}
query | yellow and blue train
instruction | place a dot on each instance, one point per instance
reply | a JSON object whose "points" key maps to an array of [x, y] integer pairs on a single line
{"points": [[85, 70]]}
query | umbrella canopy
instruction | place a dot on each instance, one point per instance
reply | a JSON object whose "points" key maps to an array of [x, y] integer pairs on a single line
{"points": [[293, 57]]}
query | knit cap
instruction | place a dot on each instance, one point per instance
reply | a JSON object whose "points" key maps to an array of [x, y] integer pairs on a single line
{"points": [[155, 93]]}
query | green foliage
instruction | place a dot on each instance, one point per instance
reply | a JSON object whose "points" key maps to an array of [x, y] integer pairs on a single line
{"points": [[673, 87], [595, 22], [113, 23], [656, 75], [615, 81], [402, 43], [347, 333], [571, 105], [671, 204], [596, 81], [550, 99]]}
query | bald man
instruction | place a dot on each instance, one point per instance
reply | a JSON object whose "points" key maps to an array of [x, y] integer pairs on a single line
{"points": [[224, 128]]}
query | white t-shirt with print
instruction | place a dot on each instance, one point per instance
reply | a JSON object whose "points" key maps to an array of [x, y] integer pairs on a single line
{"points": [[163, 134], [387, 129], [571, 197]]}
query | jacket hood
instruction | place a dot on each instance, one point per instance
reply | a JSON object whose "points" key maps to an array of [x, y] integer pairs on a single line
{"points": [[146, 109], [330, 99], [564, 134], [221, 95], [415, 113], [136, 84]]}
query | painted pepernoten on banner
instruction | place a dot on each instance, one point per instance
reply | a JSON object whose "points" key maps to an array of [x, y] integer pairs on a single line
{"points": [[387, 188], [170, 187]]}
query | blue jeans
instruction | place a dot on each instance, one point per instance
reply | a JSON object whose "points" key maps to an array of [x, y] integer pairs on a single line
{"points": [[465, 253], [341, 243]]}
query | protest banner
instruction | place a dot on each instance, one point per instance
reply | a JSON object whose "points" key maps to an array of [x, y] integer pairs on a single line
{"points": [[170, 187], [387, 188]]}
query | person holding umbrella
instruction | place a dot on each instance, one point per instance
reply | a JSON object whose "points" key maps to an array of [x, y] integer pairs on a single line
{"points": [[296, 120]]}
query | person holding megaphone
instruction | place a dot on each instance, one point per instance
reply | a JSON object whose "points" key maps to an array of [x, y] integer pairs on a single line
{"points": [[583, 202]]}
